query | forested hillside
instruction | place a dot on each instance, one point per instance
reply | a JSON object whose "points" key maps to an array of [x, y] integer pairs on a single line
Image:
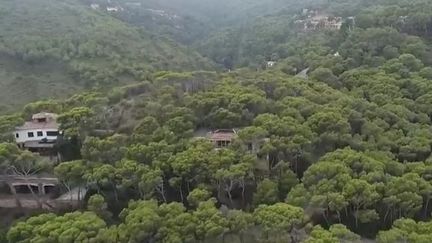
{"points": [[192, 21], [275, 36], [221, 13], [54, 48], [330, 143]]}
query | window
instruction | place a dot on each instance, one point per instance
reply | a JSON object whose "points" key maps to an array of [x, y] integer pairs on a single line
{"points": [[250, 146], [27, 189], [49, 189], [17, 135], [39, 133], [222, 143], [52, 134], [30, 134]]}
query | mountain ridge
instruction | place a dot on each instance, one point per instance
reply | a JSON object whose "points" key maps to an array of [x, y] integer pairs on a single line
{"points": [[96, 49]]}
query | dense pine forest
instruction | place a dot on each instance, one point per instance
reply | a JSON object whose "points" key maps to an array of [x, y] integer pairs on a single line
{"points": [[328, 130]]}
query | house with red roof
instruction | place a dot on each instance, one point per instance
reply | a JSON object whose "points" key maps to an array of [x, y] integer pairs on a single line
{"points": [[222, 138]]}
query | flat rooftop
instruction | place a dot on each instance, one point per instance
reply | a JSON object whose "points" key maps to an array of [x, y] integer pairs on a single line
{"points": [[28, 179]]}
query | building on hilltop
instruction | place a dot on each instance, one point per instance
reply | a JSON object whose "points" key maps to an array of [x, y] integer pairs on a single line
{"points": [[314, 20], [38, 135], [323, 22]]}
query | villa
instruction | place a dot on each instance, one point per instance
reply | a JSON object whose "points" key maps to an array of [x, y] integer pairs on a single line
{"points": [[38, 135]]}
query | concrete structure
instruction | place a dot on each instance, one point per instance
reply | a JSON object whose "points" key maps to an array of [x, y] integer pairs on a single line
{"points": [[39, 134], [114, 9], [314, 20], [222, 138], [32, 192]]}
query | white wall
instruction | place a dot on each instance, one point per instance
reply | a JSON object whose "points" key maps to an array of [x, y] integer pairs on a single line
{"points": [[23, 135]]}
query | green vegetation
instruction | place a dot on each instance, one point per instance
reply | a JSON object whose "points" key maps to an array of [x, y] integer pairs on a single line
{"points": [[52, 49], [406, 230], [338, 154], [276, 36]]}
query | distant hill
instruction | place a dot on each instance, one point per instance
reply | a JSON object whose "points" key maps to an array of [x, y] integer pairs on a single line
{"points": [[190, 21], [52, 48], [275, 36]]}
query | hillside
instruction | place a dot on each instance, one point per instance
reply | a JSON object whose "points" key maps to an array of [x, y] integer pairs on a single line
{"points": [[276, 36], [320, 131], [192, 21], [222, 13], [52, 48]]}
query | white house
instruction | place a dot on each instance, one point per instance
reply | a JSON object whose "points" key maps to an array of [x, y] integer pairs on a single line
{"points": [[270, 64], [38, 134]]}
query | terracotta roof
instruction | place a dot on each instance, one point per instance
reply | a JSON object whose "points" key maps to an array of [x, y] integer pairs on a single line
{"points": [[38, 125], [222, 135]]}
